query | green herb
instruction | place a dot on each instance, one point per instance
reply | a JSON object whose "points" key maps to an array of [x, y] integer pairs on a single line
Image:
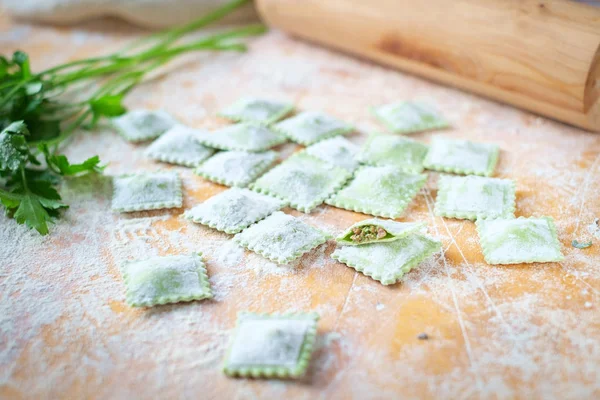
{"points": [[578, 245], [39, 111]]}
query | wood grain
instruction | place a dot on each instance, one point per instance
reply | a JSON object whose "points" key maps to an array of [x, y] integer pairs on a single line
{"points": [[539, 55]]}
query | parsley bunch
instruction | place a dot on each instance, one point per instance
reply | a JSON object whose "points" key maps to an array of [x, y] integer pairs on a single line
{"points": [[39, 111]]}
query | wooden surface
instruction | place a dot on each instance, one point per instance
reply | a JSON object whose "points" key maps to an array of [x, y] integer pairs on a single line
{"points": [[523, 331], [540, 55]]}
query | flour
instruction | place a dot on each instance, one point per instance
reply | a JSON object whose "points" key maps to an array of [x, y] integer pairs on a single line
{"points": [[64, 327]]}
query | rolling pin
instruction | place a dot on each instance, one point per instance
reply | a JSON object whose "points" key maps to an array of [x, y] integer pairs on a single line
{"points": [[543, 56]]}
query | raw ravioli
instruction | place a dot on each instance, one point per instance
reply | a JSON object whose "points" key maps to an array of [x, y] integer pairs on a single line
{"points": [[337, 151], [146, 191], [310, 127], [250, 109], [520, 240], [141, 125], [395, 151], [388, 262], [162, 280], [179, 146], [379, 191], [236, 168], [473, 197], [409, 117], [281, 238], [271, 345], [242, 137], [303, 181], [234, 210], [461, 157]]}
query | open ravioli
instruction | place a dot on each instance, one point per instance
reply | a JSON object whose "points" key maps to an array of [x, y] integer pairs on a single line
{"points": [[377, 230]]}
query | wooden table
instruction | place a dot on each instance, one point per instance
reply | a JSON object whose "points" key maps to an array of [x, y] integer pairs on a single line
{"points": [[523, 331]]}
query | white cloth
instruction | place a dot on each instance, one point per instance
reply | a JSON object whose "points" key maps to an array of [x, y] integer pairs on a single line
{"points": [[149, 13]]}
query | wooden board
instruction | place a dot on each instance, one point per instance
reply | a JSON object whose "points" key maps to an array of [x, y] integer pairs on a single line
{"points": [[524, 331]]}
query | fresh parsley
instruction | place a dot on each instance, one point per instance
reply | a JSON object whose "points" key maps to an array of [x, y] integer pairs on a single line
{"points": [[40, 111]]}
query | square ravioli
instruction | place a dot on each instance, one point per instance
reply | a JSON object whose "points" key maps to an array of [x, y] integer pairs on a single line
{"points": [[146, 191], [337, 151], [520, 240], [408, 117], [388, 262], [302, 180], [310, 127], [375, 230], [271, 346], [242, 137], [179, 146], [250, 109], [234, 210], [162, 280], [142, 125], [472, 197], [461, 157], [379, 191], [281, 238], [395, 151], [236, 168]]}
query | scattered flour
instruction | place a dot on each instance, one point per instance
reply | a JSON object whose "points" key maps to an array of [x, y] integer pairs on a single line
{"points": [[501, 332]]}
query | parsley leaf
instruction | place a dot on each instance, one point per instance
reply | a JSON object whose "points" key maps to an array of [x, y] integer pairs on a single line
{"points": [[13, 147], [33, 214], [61, 165], [580, 245]]}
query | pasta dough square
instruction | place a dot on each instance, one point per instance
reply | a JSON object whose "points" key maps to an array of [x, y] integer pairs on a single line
{"points": [[142, 125], [280, 238], [179, 146], [303, 181], [461, 157], [236, 168], [242, 137], [379, 191], [520, 240], [271, 346], [234, 210], [146, 191], [473, 197], [162, 280], [388, 262], [251, 109], [375, 230], [409, 117], [395, 151], [337, 151], [310, 127]]}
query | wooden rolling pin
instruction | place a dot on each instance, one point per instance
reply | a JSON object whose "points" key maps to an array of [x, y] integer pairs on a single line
{"points": [[543, 56]]}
